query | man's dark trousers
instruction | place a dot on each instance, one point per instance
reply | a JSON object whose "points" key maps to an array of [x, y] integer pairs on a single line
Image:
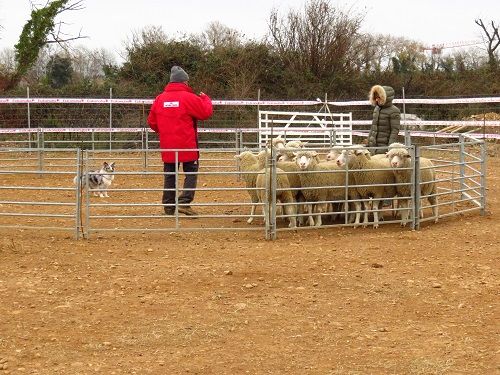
{"points": [[190, 181]]}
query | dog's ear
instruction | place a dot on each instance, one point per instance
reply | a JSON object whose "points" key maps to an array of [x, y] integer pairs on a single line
{"points": [[112, 165], [105, 164]]}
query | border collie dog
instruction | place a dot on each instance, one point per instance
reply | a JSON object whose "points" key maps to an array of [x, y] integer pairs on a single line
{"points": [[99, 180]]}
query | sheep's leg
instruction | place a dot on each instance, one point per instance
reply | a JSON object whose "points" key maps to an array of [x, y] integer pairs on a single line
{"points": [[357, 208], [351, 216], [433, 200], [310, 219], [300, 210], [376, 203], [252, 210], [367, 206], [395, 205], [318, 210], [405, 212], [291, 210]]}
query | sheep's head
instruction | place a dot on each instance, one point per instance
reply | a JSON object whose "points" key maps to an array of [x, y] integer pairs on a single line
{"points": [[333, 155], [343, 157], [305, 159], [295, 144], [277, 142], [398, 157], [246, 156], [347, 155], [285, 157]]}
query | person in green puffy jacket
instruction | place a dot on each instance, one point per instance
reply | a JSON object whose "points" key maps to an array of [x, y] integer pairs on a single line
{"points": [[386, 119]]}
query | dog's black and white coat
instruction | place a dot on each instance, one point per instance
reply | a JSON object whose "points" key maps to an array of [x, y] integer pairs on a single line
{"points": [[99, 180]]}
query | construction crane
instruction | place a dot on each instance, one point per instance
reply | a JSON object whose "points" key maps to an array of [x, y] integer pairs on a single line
{"points": [[436, 49]]}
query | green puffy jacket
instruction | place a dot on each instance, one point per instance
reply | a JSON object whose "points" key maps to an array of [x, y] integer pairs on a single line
{"points": [[386, 119]]}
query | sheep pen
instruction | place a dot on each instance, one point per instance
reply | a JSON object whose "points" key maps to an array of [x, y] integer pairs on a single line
{"points": [[170, 301]]}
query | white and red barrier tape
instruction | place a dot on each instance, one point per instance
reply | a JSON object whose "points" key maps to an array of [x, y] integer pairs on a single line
{"points": [[233, 130], [245, 102]]}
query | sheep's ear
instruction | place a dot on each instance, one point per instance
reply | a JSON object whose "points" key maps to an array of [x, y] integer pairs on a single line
{"points": [[295, 154], [303, 143], [237, 157], [314, 153], [387, 155], [407, 156], [294, 158]]}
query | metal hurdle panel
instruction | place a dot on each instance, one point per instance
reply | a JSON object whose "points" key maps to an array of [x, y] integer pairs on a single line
{"points": [[37, 190], [319, 129]]}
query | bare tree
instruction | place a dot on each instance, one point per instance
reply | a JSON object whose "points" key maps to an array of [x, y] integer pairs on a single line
{"points": [[219, 35], [42, 30], [7, 61], [493, 41], [317, 41], [89, 64]]}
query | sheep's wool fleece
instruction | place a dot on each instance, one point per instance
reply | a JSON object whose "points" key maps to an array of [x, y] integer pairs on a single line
{"points": [[386, 119]]}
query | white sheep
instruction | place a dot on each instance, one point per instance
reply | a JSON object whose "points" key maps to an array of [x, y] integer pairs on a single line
{"points": [[249, 163], [328, 185], [292, 171], [283, 194], [368, 178], [287, 153], [332, 155], [400, 160], [277, 142]]}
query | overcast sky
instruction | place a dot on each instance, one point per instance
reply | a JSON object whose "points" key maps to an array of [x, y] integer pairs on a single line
{"points": [[109, 23]]}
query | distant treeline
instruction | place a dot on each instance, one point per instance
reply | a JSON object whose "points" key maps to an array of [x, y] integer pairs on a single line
{"points": [[306, 54]]}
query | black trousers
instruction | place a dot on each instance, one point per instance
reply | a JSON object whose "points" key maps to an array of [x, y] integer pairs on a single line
{"points": [[190, 181]]}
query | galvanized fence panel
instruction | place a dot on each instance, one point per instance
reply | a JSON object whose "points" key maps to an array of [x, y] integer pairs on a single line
{"points": [[461, 176], [39, 193], [135, 202], [53, 202]]}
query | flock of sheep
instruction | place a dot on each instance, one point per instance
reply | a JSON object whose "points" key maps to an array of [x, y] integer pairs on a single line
{"points": [[349, 180]]}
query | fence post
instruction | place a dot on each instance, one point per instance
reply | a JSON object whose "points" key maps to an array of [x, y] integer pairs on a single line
{"points": [[39, 139], [238, 151], [484, 155], [236, 140], [29, 117], [78, 193], [407, 133], [461, 140], [273, 179], [85, 177], [110, 115], [143, 150], [416, 187], [147, 146]]}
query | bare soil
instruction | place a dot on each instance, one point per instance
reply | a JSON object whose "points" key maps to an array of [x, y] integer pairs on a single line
{"points": [[328, 301]]}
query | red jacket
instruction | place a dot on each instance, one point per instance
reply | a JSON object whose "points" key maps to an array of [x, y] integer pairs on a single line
{"points": [[173, 116]]}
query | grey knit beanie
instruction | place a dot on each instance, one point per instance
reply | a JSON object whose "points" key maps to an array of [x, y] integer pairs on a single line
{"points": [[177, 74]]}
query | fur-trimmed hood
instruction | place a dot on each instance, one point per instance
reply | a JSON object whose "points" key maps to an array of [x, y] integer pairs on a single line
{"points": [[386, 93]]}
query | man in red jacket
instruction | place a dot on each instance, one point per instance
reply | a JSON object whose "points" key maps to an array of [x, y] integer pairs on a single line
{"points": [[174, 116]]}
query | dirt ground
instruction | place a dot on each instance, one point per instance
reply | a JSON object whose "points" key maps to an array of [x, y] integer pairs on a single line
{"points": [[331, 301]]}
